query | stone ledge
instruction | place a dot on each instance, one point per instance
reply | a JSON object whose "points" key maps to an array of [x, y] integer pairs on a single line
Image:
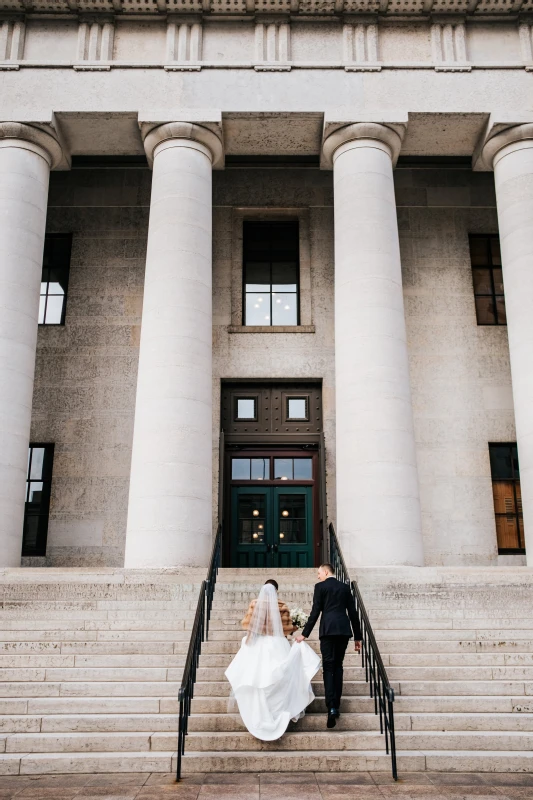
{"points": [[271, 329]]}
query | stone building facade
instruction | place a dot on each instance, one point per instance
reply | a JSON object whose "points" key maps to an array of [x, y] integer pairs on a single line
{"points": [[395, 138]]}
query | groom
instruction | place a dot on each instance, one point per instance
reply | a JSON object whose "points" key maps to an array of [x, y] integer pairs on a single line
{"points": [[333, 599]]}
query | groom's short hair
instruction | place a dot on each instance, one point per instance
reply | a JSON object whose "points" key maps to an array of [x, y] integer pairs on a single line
{"points": [[273, 583], [328, 566]]}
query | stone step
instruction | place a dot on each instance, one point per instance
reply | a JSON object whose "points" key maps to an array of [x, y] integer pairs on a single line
{"points": [[364, 704], [90, 723], [415, 647], [90, 674], [80, 705], [222, 688], [332, 740], [211, 674], [360, 761], [58, 763], [367, 722], [81, 742], [109, 688]]}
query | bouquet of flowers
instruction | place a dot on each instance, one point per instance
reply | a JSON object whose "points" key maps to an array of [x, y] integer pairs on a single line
{"points": [[299, 617]]}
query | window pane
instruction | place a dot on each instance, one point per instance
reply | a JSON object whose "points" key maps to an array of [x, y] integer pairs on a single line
{"points": [[516, 464], [503, 494], [521, 540], [284, 276], [485, 311], [251, 515], [240, 469], [246, 408], [303, 469], [35, 494], [285, 309], [297, 408], [31, 532], [506, 531], [482, 281], [292, 527], [257, 274], [283, 469], [500, 462], [497, 276], [260, 469], [54, 310], [42, 304], [258, 309], [500, 307], [479, 254], [495, 250], [37, 460]]}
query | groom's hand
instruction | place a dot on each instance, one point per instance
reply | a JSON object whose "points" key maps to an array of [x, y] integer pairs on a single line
{"points": [[300, 638], [358, 646]]}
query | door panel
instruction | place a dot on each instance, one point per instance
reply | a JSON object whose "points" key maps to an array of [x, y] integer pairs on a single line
{"points": [[293, 528], [250, 529], [272, 526]]}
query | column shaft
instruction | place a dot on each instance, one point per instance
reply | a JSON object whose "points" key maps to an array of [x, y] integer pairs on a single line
{"points": [[378, 507], [24, 176], [170, 505], [513, 174]]}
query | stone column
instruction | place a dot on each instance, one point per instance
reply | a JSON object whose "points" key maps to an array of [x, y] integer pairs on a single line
{"points": [[170, 502], [378, 506], [26, 156], [510, 153]]}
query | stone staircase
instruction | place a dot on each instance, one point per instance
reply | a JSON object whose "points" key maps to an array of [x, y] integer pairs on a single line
{"points": [[91, 662], [458, 649], [90, 666]]}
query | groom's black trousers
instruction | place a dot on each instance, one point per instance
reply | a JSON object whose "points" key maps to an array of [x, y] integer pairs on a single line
{"points": [[333, 649]]}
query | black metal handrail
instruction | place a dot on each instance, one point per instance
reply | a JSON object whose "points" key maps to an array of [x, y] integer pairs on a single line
{"points": [[199, 633], [375, 673]]}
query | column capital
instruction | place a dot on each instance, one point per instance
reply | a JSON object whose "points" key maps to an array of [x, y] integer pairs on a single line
{"points": [[41, 139], [388, 134], [500, 138], [155, 135]]}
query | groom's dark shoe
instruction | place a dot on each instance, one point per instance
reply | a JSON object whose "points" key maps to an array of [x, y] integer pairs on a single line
{"points": [[332, 717]]}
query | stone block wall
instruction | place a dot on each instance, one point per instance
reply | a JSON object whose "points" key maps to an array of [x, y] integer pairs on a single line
{"points": [[86, 371]]}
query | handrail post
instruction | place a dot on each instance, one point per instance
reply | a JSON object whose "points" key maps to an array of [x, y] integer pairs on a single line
{"points": [[199, 634], [375, 674]]}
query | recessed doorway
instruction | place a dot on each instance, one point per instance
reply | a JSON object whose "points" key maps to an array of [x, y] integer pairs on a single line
{"points": [[272, 492]]}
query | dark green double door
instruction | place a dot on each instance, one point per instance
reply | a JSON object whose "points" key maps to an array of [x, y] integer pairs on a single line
{"points": [[271, 526]]}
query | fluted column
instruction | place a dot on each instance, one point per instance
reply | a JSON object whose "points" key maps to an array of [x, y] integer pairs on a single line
{"points": [[26, 155], [170, 502], [378, 506], [510, 153]]}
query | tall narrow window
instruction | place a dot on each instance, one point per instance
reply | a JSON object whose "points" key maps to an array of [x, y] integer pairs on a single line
{"points": [[38, 487], [507, 498], [488, 280], [54, 279], [271, 273]]}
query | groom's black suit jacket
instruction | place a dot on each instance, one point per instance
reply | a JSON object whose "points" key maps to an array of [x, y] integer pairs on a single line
{"points": [[334, 600]]}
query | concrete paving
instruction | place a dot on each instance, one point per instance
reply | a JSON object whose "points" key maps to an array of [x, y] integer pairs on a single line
{"points": [[265, 786]]}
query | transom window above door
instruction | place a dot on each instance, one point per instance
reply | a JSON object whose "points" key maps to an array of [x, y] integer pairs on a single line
{"points": [[260, 469], [271, 273]]}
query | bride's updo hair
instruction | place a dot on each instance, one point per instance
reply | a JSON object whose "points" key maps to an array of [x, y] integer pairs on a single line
{"points": [[273, 583]]}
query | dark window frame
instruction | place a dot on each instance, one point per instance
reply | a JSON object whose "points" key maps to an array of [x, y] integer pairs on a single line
{"points": [[48, 243], [490, 266], [255, 400], [279, 223], [44, 512], [515, 481], [288, 399]]}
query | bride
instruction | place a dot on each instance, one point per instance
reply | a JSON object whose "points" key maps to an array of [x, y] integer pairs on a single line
{"points": [[270, 680]]}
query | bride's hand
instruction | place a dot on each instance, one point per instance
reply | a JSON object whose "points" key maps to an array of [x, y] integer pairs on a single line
{"points": [[300, 639]]}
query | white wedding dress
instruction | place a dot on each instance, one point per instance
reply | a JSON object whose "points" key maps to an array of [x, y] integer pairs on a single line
{"points": [[270, 679]]}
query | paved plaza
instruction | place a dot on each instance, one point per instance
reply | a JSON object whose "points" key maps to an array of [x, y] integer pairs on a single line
{"points": [[289, 786]]}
